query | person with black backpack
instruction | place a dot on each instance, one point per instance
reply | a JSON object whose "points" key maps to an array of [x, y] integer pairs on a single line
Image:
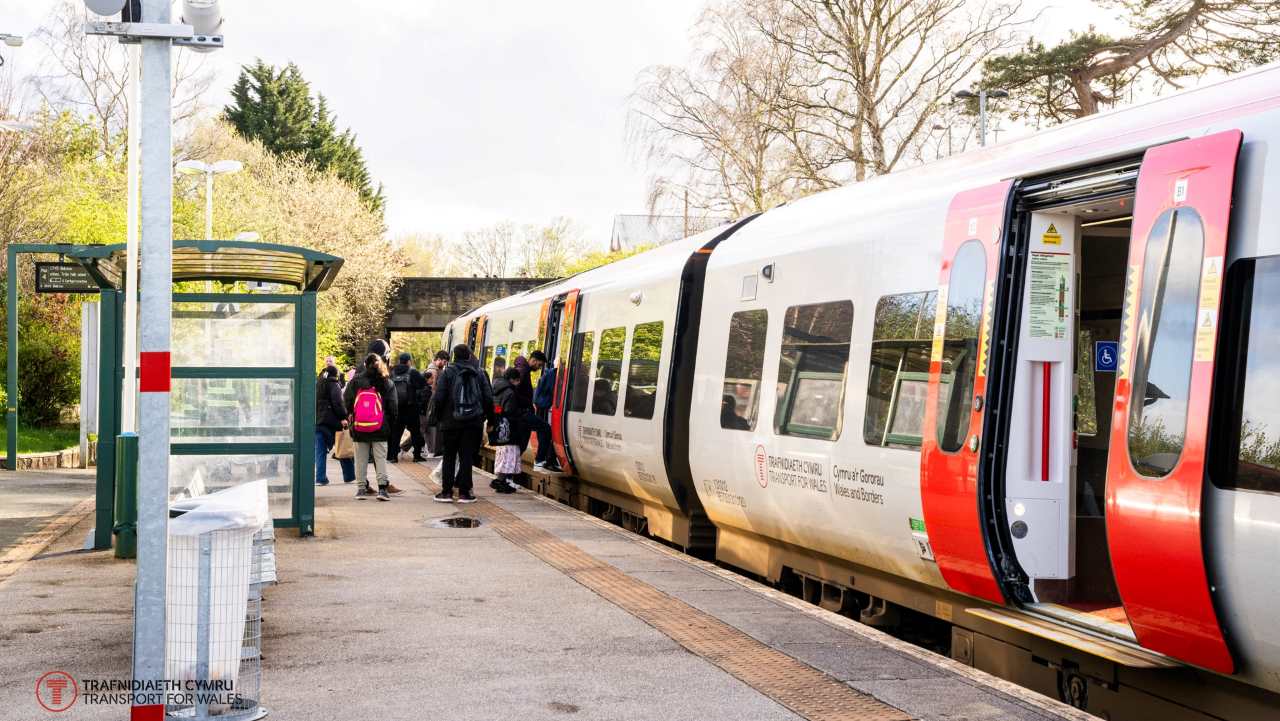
{"points": [[461, 404], [409, 385]]}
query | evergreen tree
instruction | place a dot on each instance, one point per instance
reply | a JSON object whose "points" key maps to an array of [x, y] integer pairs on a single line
{"points": [[275, 107], [1172, 40]]}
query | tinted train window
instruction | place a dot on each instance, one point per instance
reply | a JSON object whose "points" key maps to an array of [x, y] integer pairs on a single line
{"points": [[743, 368], [811, 372], [604, 390], [642, 371], [960, 347], [517, 350], [583, 346], [1164, 344], [1249, 421], [499, 362], [898, 382]]}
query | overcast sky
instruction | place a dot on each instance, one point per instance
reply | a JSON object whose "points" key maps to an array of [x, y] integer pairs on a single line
{"points": [[475, 111]]}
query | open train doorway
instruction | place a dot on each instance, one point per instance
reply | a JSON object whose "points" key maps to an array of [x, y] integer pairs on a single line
{"points": [[1074, 236]]}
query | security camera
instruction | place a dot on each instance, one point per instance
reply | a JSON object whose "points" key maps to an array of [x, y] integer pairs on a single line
{"points": [[104, 7], [204, 16], [12, 41]]}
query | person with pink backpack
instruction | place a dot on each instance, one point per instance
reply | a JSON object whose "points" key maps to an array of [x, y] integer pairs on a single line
{"points": [[371, 398]]}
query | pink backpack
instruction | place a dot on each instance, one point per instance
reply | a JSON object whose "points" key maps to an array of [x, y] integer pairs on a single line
{"points": [[368, 411]]}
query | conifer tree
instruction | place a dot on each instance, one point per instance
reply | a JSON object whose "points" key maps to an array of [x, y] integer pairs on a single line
{"points": [[276, 107]]}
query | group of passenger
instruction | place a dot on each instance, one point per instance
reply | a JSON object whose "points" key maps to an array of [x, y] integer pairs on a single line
{"points": [[362, 416]]}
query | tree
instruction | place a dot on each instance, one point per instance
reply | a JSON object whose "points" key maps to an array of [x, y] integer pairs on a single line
{"points": [[876, 71], [502, 250], [275, 107], [1171, 42], [714, 132], [547, 251], [89, 75], [489, 252], [598, 258], [425, 256]]}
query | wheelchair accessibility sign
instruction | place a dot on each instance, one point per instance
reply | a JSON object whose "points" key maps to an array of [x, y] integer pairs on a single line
{"points": [[1106, 356]]}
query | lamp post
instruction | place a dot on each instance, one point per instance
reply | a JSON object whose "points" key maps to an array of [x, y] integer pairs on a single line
{"points": [[982, 96], [940, 126], [222, 167]]}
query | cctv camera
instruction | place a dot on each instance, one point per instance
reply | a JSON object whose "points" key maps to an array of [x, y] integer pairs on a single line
{"points": [[104, 7], [12, 41], [204, 16]]}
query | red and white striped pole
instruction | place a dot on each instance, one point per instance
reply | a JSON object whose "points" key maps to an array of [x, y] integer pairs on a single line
{"points": [[154, 317]]}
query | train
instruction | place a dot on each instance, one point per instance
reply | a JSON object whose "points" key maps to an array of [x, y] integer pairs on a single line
{"points": [[1028, 393]]}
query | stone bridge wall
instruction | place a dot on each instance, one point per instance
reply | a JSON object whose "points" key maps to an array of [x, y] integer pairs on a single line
{"points": [[427, 304]]}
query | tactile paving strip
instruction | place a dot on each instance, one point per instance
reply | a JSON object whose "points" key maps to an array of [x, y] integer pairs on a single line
{"points": [[796, 685]]}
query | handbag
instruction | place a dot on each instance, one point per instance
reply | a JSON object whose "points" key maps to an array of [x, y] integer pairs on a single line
{"points": [[343, 446]]}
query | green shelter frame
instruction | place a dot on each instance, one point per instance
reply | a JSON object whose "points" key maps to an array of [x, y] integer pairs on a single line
{"points": [[241, 407]]}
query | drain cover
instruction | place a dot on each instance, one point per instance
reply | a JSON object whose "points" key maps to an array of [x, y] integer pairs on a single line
{"points": [[455, 522]]}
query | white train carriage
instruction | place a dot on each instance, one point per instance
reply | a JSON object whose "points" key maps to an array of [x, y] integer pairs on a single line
{"points": [[1028, 391]]}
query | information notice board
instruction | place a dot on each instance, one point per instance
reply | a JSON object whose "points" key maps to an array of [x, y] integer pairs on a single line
{"points": [[1050, 295], [64, 278]]}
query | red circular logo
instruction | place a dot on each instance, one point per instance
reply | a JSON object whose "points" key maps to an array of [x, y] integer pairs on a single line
{"points": [[57, 691], [762, 467]]}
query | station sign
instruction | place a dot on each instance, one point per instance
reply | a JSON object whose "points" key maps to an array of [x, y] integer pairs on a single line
{"points": [[64, 278]]}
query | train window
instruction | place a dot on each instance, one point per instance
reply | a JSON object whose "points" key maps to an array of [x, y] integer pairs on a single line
{"points": [[534, 375], [604, 390], [960, 348], [499, 361], [1164, 345], [486, 357], [898, 383], [743, 368], [1248, 420], [811, 371], [642, 371], [517, 349], [584, 346]]}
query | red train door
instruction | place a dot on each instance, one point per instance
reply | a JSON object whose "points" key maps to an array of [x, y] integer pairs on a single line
{"points": [[564, 345], [952, 433], [1156, 467]]}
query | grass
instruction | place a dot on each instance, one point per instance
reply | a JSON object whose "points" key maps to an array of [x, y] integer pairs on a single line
{"points": [[42, 440]]}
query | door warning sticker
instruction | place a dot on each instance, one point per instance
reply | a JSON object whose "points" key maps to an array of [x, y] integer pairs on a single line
{"points": [[1050, 295], [1051, 236]]}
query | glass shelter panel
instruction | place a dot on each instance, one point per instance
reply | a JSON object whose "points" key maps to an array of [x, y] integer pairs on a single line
{"points": [[197, 475], [233, 334], [231, 410]]}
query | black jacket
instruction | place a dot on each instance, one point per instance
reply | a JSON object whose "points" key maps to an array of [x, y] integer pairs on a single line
{"points": [[442, 399], [388, 393], [331, 411], [416, 385]]}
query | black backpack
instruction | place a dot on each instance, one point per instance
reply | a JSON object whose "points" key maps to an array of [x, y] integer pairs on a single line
{"points": [[467, 398], [403, 395]]}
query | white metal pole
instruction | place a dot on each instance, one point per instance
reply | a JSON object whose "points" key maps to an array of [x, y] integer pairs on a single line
{"points": [[982, 118], [129, 391], [208, 203], [154, 316]]}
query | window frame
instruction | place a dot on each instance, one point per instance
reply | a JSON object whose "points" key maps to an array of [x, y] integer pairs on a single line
{"points": [[629, 393], [785, 403], [1142, 366], [753, 418], [585, 340], [944, 410], [595, 376], [1230, 378]]}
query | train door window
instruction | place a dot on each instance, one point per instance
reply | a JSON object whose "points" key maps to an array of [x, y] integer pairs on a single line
{"points": [[642, 371], [534, 375], [1164, 344], [486, 357], [1249, 456], [1086, 383], [499, 361], [604, 390], [898, 382], [743, 369], [812, 368], [960, 348], [584, 347]]}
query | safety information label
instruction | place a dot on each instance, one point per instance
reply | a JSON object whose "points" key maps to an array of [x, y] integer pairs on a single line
{"points": [[1050, 295]]}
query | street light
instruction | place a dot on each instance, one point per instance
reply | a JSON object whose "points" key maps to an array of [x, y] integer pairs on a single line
{"points": [[982, 96], [196, 167]]}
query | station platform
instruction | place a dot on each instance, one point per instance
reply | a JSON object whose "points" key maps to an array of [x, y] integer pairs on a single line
{"points": [[539, 612]]}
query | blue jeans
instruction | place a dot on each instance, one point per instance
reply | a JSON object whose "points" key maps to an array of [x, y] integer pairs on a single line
{"points": [[324, 443]]}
